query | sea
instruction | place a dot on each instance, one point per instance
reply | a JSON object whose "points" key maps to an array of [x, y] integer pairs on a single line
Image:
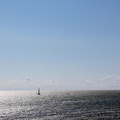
{"points": [[64, 105]]}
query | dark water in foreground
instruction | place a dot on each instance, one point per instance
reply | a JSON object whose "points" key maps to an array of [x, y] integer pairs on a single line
{"points": [[72, 105]]}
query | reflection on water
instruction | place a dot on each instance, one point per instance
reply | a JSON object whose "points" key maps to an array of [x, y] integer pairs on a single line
{"points": [[72, 105]]}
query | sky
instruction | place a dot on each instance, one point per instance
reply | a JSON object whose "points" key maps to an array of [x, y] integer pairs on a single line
{"points": [[59, 44]]}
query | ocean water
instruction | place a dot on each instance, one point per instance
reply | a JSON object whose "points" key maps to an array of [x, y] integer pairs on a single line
{"points": [[71, 105]]}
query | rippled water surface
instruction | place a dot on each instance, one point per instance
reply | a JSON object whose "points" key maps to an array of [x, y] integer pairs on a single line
{"points": [[72, 105]]}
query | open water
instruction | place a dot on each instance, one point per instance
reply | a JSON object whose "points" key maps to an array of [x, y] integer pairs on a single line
{"points": [[71, 105]]}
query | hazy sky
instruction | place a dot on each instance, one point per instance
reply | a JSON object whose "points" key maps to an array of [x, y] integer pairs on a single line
{"points": [[59, 44]]}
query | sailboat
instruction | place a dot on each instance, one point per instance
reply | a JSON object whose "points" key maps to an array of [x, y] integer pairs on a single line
{"points": [[38, 91]]}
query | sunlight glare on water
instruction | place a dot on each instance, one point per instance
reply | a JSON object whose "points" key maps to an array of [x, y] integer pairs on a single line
{"points": [[70, 105]]}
